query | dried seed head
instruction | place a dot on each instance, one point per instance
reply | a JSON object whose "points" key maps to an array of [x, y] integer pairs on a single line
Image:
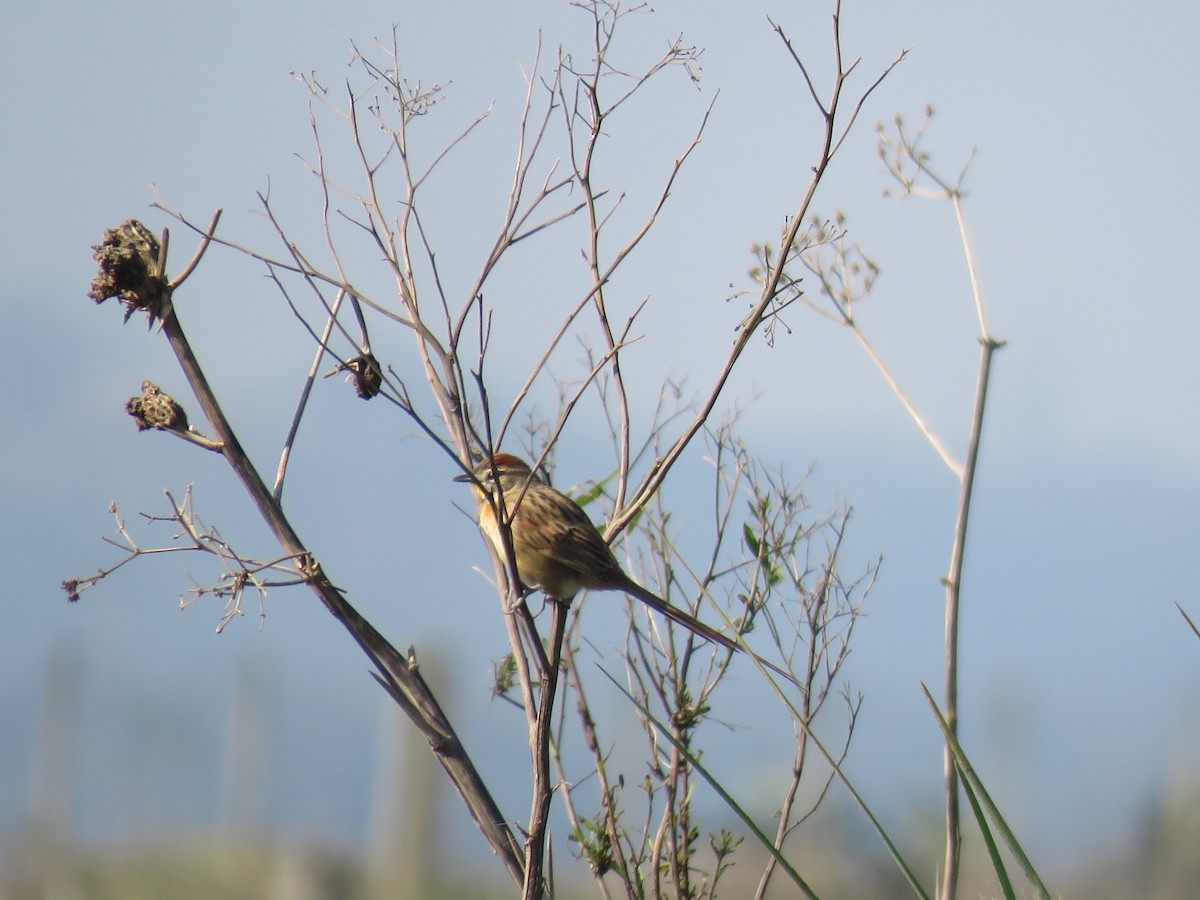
{"points": [[128, 260], [365, 374], [368, 377], [156, 409]]}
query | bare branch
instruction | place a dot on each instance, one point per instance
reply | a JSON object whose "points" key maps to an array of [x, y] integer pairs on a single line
{"points": [[771, 286]]}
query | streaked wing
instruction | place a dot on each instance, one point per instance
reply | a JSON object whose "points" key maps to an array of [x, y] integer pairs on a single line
{"points": [[564, 532]]}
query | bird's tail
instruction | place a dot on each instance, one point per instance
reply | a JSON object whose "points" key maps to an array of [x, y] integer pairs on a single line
{"points": [[694, 625], [678, 616]]}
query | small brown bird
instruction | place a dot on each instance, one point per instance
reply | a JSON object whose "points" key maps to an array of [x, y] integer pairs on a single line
{"points": [[557, 547]]}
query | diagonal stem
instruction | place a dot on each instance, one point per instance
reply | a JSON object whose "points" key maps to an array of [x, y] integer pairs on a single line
{"points": [[400, 675]]}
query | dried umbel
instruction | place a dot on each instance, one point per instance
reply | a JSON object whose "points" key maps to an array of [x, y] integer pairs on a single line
{"points": [[156, 409], [130, 270]]}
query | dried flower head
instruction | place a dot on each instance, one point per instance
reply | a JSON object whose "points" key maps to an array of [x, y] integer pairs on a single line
{"points": [[368, 377], [365, 374], [156, 409], [129, 270]]}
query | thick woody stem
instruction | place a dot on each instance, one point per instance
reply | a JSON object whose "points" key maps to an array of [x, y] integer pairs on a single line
{"points": [[400, 675]]}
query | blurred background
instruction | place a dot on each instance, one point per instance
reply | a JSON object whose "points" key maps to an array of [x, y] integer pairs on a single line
{"points": [[142, 749]]}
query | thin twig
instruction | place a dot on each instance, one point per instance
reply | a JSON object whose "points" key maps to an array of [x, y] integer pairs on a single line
{"points": [[771, 286], [195, 261], [290, 439]]}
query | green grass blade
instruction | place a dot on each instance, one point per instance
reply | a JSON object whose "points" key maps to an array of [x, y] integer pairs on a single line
{"points": [[993, 812], [988, 839]]}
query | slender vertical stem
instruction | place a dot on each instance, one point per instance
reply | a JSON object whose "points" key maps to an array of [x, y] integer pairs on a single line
{"points": [[953, 580], [907, 150], [543, 789]]}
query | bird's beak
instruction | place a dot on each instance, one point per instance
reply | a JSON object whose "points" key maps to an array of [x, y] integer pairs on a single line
{"points": [[464, 478]]}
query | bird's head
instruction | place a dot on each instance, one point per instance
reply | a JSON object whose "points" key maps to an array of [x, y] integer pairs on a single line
{"points": [[511, 473]]}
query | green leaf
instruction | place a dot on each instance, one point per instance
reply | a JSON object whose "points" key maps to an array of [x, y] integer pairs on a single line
{"points": [[752, 541], [988, 839], [591, 494]]}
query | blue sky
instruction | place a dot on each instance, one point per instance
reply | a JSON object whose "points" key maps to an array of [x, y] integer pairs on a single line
{"points": [[1079, 676]]}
